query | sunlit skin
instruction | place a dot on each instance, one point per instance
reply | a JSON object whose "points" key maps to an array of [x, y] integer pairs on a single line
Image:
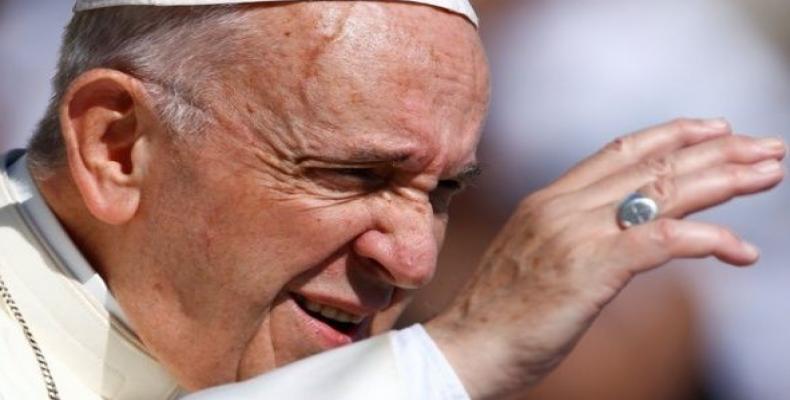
{"points": [[342, 130], [327, 174]]}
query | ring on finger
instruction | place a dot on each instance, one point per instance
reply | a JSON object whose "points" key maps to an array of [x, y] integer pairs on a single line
{"points": [[636, 209]]}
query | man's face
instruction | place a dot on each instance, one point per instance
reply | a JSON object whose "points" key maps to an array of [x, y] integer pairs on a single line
{"points": [[307, 216]]}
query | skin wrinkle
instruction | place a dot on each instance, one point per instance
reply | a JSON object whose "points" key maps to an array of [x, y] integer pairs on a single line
{"points": [[293, 128], [311, 63], [292, 125], [280, 172], [229, 223]]}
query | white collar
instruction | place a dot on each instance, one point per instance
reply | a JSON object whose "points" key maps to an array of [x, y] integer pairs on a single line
{"points": [[86, 347], [39, 214]]}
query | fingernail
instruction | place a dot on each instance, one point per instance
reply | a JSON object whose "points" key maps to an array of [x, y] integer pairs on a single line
{"points": [[773, 145], [767, 167], [751, 249], [717, 123]]}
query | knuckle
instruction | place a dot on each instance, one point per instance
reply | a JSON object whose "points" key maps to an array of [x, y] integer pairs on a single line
{"points": [[536, 198], [733, 174], [723, 234], [528, 204], [634, 241], [570, 244], [662, 189], [665, 232], [734, 145], [683, 125], [545, 217], [544, 214], [739, 141], [659, 167]]}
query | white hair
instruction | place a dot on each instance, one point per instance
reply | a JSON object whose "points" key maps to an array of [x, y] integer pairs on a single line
{"points": [[177, 52]]}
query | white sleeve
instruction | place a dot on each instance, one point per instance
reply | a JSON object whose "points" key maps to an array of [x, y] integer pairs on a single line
{"points": [[403, 365], [424, 367]]}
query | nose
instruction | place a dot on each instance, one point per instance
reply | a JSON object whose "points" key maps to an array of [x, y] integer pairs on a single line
{"points": [[404, 245]]}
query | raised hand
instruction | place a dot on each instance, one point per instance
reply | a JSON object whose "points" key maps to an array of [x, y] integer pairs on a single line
{"points": [[563, 256]]}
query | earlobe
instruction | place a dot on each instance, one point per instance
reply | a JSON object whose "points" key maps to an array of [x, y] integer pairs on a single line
{"points": [[103, 116]]}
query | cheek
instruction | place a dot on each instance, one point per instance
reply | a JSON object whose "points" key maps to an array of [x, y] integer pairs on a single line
{"points": [[270, 242]]}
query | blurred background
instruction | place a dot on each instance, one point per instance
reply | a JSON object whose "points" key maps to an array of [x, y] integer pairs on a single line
{"points": [[568, 77]]}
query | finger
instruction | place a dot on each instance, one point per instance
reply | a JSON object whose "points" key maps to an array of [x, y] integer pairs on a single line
{"points": [[678, 197], [737, 149], [648, 246], [650, 143], [730, 149]]}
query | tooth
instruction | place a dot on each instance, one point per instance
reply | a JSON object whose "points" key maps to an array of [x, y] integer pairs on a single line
{"points": [[313, 306], [329, 312], [332, 313], [354, 319], [343, 317]]}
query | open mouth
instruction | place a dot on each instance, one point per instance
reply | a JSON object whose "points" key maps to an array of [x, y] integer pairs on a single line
{"points": [[341, 321]]}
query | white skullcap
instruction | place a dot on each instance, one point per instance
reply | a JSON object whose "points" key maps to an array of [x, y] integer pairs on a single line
{"points": [[462, 7]]}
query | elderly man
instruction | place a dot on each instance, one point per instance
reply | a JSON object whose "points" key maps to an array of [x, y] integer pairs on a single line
{"points": [[219, 191]]}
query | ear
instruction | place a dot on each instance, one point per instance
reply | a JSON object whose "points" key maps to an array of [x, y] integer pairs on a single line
{"points": [[105, 117]]}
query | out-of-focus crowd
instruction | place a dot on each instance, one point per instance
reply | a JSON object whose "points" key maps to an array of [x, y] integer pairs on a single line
{"points": [[569, 76]]}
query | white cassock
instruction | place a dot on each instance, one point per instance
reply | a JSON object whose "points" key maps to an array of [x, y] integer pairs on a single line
{"points": [[94, 354]]}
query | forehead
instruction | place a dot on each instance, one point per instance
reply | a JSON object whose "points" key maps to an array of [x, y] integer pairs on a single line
{"points": [[369, 74]]}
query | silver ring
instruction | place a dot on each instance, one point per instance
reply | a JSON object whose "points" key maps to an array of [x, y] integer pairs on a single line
{"points": [[636, 209]]}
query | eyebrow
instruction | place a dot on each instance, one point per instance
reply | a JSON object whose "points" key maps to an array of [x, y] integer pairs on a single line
{"points": [[361, 157], [374, 156]]}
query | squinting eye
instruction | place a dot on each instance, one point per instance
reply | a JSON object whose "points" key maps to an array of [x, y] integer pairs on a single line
{"points": [[351, 179], [368, 174]]}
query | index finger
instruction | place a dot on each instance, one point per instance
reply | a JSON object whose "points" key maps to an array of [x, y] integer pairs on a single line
{"points": [[631, 149]]}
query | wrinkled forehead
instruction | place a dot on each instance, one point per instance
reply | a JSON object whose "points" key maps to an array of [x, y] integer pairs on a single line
{"points": [[394, 48], [370, 71], [358, 48], [406, 65]]}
